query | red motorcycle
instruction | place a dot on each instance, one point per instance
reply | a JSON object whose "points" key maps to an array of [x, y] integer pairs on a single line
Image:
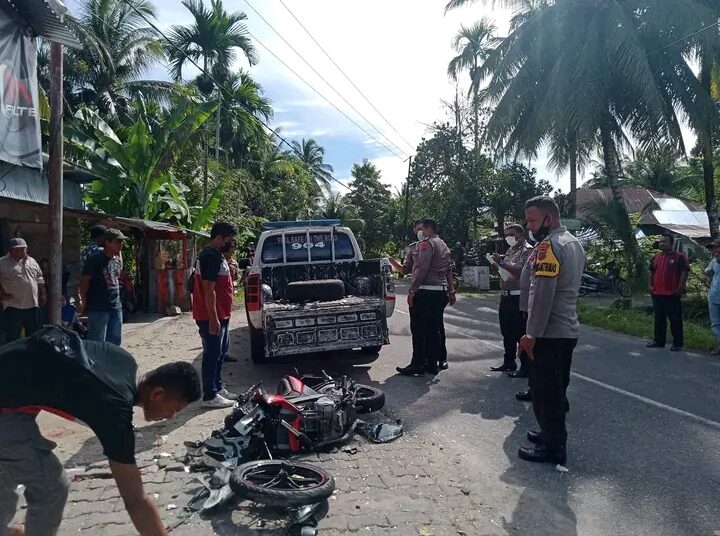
{"points": [[296, 418]]}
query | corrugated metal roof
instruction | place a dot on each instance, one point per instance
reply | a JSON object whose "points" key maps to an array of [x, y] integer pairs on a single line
{"points": [[29, 184], [45, 17], [637, 199], [691, 231]]}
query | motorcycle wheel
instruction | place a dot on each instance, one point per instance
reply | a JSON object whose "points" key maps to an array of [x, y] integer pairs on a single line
{"points": [[583, 291], [624, 289], [282, 483]]}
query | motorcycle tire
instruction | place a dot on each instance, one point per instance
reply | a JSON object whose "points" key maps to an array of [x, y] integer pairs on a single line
{"points": [[282, 483], [368, 399], [584, 291], [624, 289]]}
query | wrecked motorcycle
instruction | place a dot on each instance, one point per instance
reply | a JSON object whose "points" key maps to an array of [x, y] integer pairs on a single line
{"points": [[296, 418]]}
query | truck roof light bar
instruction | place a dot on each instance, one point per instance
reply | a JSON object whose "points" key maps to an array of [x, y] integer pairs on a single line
{"points": [[271, 225]]}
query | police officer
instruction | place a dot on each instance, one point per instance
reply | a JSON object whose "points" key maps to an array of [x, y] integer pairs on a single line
{"points": [[512, 322], [428, 295], [552, 327], [524, 281], [406, 268]]}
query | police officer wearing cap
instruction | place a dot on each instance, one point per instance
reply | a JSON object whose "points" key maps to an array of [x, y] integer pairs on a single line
{"points": [[428, 295], [512, 321], [552, 327]]}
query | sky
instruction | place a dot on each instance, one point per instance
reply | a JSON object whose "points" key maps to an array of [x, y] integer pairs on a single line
{"points": [[395, 51]]}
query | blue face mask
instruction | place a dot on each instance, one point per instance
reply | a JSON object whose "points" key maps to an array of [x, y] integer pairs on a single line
{"points": [[420, 235]]}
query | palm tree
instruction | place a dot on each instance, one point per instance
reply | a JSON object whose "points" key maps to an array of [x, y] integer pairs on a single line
{"points": [[549, 80], [313, 156], [119, 48], [473, 44], [211, 39], [242, 98]]}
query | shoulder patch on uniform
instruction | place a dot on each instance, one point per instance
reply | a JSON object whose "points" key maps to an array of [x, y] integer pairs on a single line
{"points": [[546, 263]]}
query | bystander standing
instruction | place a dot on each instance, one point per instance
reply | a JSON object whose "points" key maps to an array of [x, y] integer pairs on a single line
{"points": [[713, 274], [22, 291]]}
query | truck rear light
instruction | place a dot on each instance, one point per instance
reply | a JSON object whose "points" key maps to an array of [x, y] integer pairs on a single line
{"points": [[253, 287]]}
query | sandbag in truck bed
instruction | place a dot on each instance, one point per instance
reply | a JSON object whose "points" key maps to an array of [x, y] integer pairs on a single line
{"points": [[321, 290]]}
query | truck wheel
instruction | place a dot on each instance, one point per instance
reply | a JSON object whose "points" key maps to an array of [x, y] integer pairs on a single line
{"points": [[321, 290], [257, 345]]}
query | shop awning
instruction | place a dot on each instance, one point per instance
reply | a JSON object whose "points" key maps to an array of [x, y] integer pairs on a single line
{"points": [[45, 17]]}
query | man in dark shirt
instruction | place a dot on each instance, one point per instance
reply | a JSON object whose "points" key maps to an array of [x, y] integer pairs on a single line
{"points": [[668, 275], [92, 382], [212, 303], [100, 290]]}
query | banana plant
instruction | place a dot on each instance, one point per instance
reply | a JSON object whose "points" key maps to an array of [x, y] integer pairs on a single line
{"points": [[134, 163]]}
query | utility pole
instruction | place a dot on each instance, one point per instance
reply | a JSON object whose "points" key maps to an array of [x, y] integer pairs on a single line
{"points": [[406, 219], [55, 183]]}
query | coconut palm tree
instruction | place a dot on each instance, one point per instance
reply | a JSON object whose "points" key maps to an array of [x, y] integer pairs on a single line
{"points": [[119, 48], [212, 40], [313, 156], [473, 44]]}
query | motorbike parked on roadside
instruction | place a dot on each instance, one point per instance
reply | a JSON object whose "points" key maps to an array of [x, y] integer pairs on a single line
{"points": [[593, 282]]}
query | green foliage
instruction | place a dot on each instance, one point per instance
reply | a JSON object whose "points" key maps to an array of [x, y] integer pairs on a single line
{"points": [[370, 197]]}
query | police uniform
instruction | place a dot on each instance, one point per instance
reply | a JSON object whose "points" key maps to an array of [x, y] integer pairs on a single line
{"points": [[430, 289], [524, 283], [512, 322], [552, 321]]}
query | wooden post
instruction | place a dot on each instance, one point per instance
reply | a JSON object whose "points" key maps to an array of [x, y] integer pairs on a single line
{"points": [[55, 183]]}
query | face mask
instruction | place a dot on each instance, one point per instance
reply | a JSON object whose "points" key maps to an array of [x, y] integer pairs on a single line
{"points": [[420, 235], [511, 240], [542, 232]]}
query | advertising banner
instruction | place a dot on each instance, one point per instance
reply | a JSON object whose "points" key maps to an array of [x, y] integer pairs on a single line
{"points": [[19, 106]]}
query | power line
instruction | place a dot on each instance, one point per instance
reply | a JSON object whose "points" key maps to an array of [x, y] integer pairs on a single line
{"points": [[214, 81], [345, 75], [338, 93], [308, 84]]}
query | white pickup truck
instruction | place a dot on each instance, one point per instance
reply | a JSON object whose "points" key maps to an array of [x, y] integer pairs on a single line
{"points": [[309, 290]]}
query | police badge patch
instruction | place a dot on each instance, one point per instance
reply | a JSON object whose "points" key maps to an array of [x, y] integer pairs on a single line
{"points": [[546, 264]]}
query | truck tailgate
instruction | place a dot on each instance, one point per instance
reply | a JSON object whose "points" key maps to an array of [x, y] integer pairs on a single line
{"points": [[353, 322]]}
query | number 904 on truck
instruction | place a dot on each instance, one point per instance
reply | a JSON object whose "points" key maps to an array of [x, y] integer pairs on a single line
{"points": [[308, 290]]}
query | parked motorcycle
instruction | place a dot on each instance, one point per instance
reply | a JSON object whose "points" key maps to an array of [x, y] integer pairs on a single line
{"points": [[296, 418], [592, 282]]}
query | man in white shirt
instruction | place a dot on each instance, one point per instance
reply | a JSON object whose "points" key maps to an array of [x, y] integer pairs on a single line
{"points": [[22, 290]]}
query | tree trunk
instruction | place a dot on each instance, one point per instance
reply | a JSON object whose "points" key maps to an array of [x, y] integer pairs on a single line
{"points": [[476, 108], [705, 139], [612, 168], [573, 181]]}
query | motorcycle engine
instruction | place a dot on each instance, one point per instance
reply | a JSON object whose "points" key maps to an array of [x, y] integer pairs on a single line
{"points": [[324, 420]]}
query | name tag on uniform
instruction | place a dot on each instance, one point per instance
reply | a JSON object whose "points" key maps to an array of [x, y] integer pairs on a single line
{"points": [[546, 264]]}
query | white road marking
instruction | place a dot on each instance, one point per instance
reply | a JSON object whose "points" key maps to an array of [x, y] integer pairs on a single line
{"points": [[640, 398]]}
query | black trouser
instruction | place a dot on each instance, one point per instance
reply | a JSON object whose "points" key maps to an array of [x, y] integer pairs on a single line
{"points": [[524, 359], [15, 320], [550, 371], [668, 308], [426, 325], [512, 327]]}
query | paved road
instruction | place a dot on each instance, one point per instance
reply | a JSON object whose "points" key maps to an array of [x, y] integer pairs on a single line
{"points": [[644, 447]]}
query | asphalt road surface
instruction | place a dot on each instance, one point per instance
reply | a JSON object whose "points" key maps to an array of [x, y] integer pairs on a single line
{"points": [[644, 430]]}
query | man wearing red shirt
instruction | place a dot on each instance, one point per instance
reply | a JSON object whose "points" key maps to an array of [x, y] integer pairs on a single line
{"points": [[212, 304], [668, 274]]}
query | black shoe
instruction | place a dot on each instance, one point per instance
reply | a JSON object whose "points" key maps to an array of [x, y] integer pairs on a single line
{"points": [[535, 437], [518, 374], [541, 454], [230, 359], [432, 369], [504, 368], [674, 348], [410, 371], [524, 396], [653, 344], [443, 365]]}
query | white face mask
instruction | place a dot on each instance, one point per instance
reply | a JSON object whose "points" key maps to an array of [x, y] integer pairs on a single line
{"points": [[420, 235], [511, 240]]}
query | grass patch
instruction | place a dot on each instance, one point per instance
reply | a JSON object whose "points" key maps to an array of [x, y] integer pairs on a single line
{"points": [[239, 299], [638, 323]]}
